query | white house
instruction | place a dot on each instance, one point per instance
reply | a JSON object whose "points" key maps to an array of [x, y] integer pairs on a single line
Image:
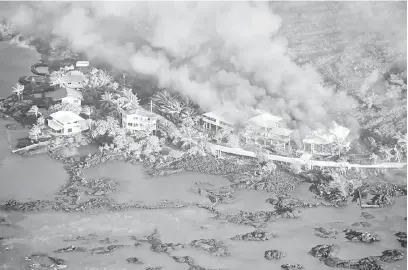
{"points": [[321, 140], [265, 126], [65, 123], [222, 119], [75, 79], [66, 95], [139, 120]]}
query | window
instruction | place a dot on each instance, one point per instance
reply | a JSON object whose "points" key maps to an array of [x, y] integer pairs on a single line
{"points": [[69, 130], [76, 100], [130, 124]]}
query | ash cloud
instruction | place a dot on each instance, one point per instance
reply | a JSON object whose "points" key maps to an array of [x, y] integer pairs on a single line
{"points": [[219, 54]]}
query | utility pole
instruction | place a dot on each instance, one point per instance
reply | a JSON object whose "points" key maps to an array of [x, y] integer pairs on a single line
{"points": [[151, 105], [124, 80]]}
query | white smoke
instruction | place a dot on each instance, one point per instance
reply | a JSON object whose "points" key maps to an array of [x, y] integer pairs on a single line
{"points": [[219, 54]]}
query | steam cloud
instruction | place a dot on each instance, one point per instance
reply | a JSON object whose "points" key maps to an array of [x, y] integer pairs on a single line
{"points": [[218, 54]]}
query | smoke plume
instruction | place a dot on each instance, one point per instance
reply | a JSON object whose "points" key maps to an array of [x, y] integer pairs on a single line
{"points": [[219, 54]]}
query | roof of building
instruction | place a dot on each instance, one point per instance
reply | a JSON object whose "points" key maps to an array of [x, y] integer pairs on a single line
{"points": [[280, 131], [265, 119], [229, 116], [75, 76], [339, 131], [61, 92], [319, 136], [66, 117], [139, 111]]}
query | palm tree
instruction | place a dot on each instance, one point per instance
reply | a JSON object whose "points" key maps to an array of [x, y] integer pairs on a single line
{"points": [[131, 100], [397, 154], [107, 100], [87, 110], [387, 152], [168, 104], [35, 131], [58, 78], [18, 90], [34, 109], [402, 140], [41, 121]]}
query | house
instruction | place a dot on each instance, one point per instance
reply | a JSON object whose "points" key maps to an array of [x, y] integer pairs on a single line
{"points": [[75, 79], [65, 95], [139, 120], [321, 141], [265, 126], [65, 123], [221, 119]]}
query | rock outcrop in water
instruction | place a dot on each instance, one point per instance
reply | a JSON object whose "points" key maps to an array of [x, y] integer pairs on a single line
{"points": [[44, 261], [402, 238], [363, 224], [134, 260], [106, 250], [71, 248], [274, 254], [364, 237], [257, 235], [326, 233], [326, 254], [292, 267], [367, 215], [212, 246]]}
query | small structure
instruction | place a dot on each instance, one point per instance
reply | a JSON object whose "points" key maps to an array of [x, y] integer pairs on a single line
{"points": [[75, 79], [321, 141], [139, 120], [65, 95], [220, 119], [265, 126], [65, 123]]}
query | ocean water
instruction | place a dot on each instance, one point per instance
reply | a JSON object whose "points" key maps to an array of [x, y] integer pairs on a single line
{"points": [[40, 177]]}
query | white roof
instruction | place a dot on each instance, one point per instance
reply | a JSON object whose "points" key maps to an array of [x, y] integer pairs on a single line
{"points": [[227, 116], [319, 136], [280, 131], [265, 120], [339, 131], [66, 117]]}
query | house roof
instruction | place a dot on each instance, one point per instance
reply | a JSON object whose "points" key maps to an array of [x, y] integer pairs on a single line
{"points": [[61, 92], [339, 131], [265, 120], [281, 131], [229, 116], [75, 76], [66, 117], [319, 136]]}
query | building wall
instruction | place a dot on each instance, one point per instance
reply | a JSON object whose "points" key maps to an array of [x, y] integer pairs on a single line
{"points": [[67, 128], [138, 123]]}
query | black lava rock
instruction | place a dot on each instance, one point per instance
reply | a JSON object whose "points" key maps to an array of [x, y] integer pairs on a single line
{"points": [[273, 254]]}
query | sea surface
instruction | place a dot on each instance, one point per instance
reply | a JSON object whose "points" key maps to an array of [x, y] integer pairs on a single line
{"points": [[40, 177]]}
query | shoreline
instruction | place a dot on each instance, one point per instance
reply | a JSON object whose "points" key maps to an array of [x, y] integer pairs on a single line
{"points": [[242, 175]]}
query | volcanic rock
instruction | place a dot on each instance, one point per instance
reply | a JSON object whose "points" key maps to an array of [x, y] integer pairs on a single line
{"points": [[292, 266], [365, 237], [71, 248], [273, 254], [134, 260], [214, 247], [257, 235]]}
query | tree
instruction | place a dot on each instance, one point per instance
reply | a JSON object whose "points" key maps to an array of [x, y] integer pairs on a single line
{"points": [[75, 108], [87, 110], [387, 152], [58, 77], [18, 90], [168, 104], [35, 131], [151, 146], [402, 141], [41, 121], [397, 154], [107, 101], [34, 109]]}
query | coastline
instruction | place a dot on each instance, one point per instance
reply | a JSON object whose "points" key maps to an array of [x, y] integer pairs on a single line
{"points": [[241, 176]]}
